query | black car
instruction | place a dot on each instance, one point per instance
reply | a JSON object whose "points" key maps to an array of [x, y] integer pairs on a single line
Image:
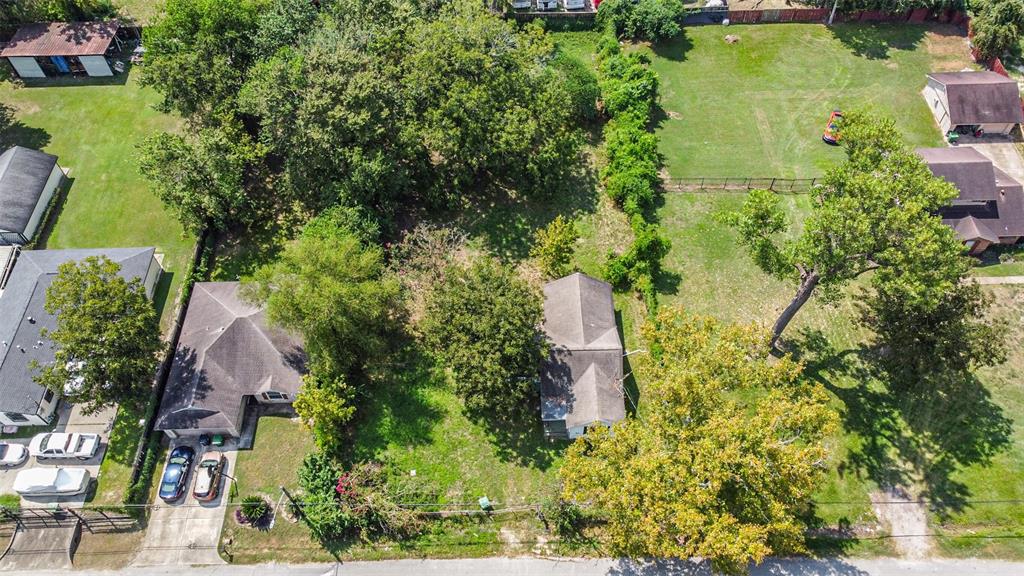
{"points": [[172, 484]]}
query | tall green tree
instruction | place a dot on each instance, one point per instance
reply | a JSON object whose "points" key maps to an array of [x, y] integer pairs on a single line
{"points": [[107, 336], [723, 456], [330, 286], [324, 406], [997, 26], [554, 246], [875, 211], [484, 324], [214, 179], [198, 53]]}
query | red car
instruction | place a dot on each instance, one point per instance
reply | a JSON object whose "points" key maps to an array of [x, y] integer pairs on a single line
{"points": [[831, 135]]}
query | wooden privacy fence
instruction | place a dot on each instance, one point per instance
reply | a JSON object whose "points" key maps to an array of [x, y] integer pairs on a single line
{"points": [[780, 185]]}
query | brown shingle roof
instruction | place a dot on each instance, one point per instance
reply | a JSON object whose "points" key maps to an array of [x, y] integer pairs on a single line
{"points": [[981, 98], [62, 39]]}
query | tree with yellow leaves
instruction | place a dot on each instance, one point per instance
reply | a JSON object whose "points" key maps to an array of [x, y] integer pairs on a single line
{"points": [[722, 458]]}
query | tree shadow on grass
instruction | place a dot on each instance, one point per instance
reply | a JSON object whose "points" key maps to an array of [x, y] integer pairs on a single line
{"points": [[14, 132], [675, 49], [875, 41], [520, 439], [506, 224], [395, 408], [924, 431], [241, 251]]}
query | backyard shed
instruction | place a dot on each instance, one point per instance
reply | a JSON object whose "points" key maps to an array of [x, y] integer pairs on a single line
{"points": [[985, 99], [990, 207], [54, 48], [227, 355], [581, 380], [28, 180]]}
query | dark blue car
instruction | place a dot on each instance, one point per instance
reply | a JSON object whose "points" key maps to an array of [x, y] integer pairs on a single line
{"points": [[172, 484]]}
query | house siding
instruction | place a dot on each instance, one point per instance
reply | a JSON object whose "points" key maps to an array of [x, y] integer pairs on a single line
{"points": [[52, 183]]}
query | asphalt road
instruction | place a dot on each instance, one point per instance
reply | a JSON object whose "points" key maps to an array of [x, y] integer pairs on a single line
{"points": [[594, 567]]}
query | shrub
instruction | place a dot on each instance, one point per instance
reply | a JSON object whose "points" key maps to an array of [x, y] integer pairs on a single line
{"points": [[554, 246], [563, 517], [10, 504], [642, 19], [628, 85], [579, 83], [254, 508]]}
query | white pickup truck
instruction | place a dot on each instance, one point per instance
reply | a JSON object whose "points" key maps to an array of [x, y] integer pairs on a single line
{"points": [[64, 445]]}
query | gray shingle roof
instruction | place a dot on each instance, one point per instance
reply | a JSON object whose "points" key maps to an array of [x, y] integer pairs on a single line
{"points": [[24, 297], [981, 98], [580, 381], [226, 351], [23, 176], [992, 200]]}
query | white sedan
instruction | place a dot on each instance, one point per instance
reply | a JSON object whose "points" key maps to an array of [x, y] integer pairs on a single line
{"points": [[51, 481], [64, 445], [12, 454]]}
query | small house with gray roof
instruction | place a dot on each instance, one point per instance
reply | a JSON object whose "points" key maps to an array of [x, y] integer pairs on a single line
{"points": [[23, 318], [581, 380], [990, 207], [28, 180], [983, 100], [228, 356]]}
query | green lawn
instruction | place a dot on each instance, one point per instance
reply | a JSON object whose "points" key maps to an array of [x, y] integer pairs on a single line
{"points": [[93, 127], [757, 107]]}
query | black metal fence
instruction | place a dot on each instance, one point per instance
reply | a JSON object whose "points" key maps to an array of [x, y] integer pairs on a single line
{"points": [[780, 185]]}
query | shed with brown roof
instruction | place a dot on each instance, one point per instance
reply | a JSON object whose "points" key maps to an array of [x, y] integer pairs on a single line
{"points": [[985, 99], [61, 48], [990, 208]]}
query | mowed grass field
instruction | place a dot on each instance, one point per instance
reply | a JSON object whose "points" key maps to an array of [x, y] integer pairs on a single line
{"points": [[757, 108], [93, 128]]}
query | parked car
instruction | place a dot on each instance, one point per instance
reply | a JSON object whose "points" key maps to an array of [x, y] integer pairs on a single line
{"points": [[12, 454], [209, 473], [57, 481], [64, 445], [522, 4], [547, 5], [175, 477], [831, 134], [575, 4]]}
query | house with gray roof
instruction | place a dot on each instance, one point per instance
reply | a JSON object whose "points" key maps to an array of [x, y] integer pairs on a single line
{"points": [[228, 356], [28, 180], [984, 100], [581, 380], [23, 318], [990, 207]]}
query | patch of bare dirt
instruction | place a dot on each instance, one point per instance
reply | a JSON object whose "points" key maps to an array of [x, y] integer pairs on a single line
{"points": [[907, 519], [947, 45]]}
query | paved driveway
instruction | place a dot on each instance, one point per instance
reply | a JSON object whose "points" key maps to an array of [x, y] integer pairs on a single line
{"points": [[186, 532], [70, 421], [1002, 151]]}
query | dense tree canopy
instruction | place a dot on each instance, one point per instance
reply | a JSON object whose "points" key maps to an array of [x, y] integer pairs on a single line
{"points": [[330, 286], [876, 211], [997, 26], [642, 19], [214, 179], [723, 456], [484, 323], [107, 336]]}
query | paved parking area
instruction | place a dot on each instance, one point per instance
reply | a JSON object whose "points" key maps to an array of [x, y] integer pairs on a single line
{"points": [[187, 532], [71, 420]]}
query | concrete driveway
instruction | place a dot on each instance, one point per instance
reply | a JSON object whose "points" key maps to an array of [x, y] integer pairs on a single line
{"points": [[187, 532], [70, 420], [1001, 150]]}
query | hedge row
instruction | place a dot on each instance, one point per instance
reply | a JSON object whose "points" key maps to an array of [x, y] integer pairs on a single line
{"points": [[629, 89]]}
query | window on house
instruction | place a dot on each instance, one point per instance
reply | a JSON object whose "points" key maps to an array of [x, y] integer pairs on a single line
{"points": [[15, 417], [48, 395], [271, 395]]}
